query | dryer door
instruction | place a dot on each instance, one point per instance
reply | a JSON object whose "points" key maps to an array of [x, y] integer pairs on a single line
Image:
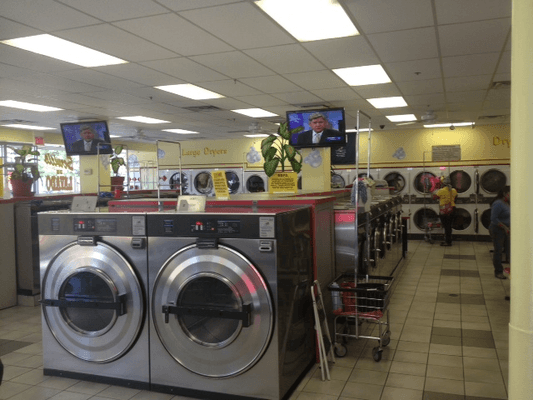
{"points": [[92, 302], [212, 310]]}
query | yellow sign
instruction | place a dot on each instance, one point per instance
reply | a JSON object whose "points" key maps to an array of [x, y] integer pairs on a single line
{"points": [[220, 184], [283, 182]]}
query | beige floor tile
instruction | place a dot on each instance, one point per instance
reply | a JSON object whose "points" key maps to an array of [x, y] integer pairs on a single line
{"points": [[445, 349], [443, 372], [410, 357], [405, 381], [333, 388], [444, 386], [36, 393], [9, 389], [445, 360], [88, 387], [493, 391], [481, 363], [337, 373], [71, 396], [479, 352], [392, 393], [366, 376], [408, 368], [362, 391], [415, 347], [481, 375], [119, 393], [313, 396]]}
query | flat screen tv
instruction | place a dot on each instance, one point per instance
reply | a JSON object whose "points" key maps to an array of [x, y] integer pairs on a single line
{"points": [[84, 138], [330, 122]]}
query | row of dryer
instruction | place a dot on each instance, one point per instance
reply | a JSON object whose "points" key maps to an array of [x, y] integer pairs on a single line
{"points": [[476, 186], [214, 305], [200, 182]]}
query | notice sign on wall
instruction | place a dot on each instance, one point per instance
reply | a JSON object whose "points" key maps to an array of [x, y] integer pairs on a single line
{"points": [[446, 153], [283, 182]]}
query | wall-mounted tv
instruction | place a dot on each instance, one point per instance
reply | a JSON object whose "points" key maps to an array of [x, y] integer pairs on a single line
{"points": [[330, 123], [84, 138]]}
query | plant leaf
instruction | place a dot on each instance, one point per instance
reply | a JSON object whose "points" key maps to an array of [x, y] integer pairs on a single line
{"points": [[290, 151], [296, 165], [266, 144], [271, 166], [118, 149], [270, 154]]}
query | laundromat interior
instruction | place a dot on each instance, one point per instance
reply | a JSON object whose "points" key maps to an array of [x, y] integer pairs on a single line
{"points": [[192, 273]]}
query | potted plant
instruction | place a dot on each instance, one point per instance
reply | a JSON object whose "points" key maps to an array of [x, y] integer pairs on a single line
{"points": [[117, 182], [25, 171], [276, 150]]}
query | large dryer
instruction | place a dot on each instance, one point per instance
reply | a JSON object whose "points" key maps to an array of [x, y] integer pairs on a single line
{"points": [[94, 307], [231, 315], [255, 182]]}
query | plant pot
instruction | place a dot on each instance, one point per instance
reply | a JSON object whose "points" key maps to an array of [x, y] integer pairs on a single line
{"points": [[22, 188], [117, 182]]}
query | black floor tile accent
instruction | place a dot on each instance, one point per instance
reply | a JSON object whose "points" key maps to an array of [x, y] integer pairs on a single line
{"points": [[442, 396], [464, 337], [465, 273], [476, 333], [456, 332], [477, 342], [12, 345], [459, 257], [448, 340], [454, 298], [448, 298], [469, 274], [450, 272]]}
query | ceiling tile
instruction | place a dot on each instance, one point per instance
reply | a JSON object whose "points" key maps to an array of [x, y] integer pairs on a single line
{"points": [[504, 65], [421, 87], [316, 79], [271, 84], [382, 15], [373, 91], [412, 44], [45, 15], [56, 82], [425, 100], [337, 94], [483, 37], [261, 100], [182, 5], [474, 96], [117, 9], [344, 52], [31, 61], [230, 88], [122, 98], [471, 65], [185, 70], [174, 33], [465, 83], [456, 11], [233, 64], [139, 73], [416, 70], [96, 78], [298, 97], [286, 59], [10, 30], [228, 22]]}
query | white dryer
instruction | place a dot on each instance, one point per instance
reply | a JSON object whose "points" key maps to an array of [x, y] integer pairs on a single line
{"points": [[483, 212], [399, 180], [492, 178], [465, 220], [338, 179], [171, 180], [421, 215], [255, 181], [463, 180], [422, 181], [94, 307], [202, 182], [234, 179]]}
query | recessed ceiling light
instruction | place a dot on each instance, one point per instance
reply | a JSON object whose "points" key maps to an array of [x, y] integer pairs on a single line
{"points": [[448, 125], [366, 75], [31, 127], [61, 49], [145, 120], [387, 102], [401, 118], [299, 18], [255, 112], [354, 130], [180, 131], [190, 91], [27, 106], [258, 135]]}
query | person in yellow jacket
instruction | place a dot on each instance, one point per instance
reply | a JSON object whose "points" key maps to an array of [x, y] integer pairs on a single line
{"points": [[446, 196]]}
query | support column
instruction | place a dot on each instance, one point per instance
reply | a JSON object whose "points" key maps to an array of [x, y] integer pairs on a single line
{"points": [[521, 323]]}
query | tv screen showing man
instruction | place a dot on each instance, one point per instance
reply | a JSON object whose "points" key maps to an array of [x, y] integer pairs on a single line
{"points": [[88, 142], [320, 132]]}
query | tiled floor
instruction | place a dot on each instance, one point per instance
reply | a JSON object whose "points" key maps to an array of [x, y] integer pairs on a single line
{"points": [[449, 324]]}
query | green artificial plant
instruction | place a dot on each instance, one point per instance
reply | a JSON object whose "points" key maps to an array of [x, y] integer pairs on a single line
{"points": [[115, 160], [276, 150], [23, 170]]}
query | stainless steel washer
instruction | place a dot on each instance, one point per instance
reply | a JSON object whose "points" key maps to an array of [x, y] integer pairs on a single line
{"points": [[230, 303], [94, 309]]}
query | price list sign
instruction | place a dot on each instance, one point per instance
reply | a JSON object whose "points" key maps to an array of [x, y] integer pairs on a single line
{"points": [[446, 153]]}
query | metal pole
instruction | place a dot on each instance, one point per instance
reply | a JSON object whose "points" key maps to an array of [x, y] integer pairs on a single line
{"points": [[157, 169]]}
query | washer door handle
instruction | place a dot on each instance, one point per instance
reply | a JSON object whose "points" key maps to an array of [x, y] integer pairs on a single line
{"points": [[119, 306], [244, 316]]}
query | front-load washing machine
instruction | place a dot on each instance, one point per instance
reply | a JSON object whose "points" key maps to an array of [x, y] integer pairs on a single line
{"points": [[465, 220], [94, 308], [231, 316], [421, 216], [483, 212], [255, 182]]}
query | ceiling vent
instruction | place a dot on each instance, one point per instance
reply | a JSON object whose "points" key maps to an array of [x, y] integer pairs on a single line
{"points": [[500, 85], [311, 105], [493, 116], [202, 108]]}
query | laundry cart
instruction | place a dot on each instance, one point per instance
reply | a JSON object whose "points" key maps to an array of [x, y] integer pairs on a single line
{"points": [[359, 300]]}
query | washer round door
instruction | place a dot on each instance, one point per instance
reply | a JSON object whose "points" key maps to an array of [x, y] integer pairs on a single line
{"points": [[212, 311], [93, 302]]}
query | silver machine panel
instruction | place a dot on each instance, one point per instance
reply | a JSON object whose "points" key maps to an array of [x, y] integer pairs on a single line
{"points": [[94, 308], [230, 303]]}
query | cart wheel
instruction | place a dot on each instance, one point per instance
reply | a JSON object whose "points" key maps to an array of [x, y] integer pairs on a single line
{"points": [[376, 354], [340, 350], [386, 339]]}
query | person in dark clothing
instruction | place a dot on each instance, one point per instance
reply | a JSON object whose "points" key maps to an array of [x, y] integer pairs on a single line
{"points": [[499, 228], [446, 196], [319, 133]]}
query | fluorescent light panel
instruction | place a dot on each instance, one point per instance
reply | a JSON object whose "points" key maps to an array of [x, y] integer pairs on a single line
{"points": [[256, 135], [387, 102], [401, 118], [63, 50], [255, 112], [360, 76], [309, 20], [360, 130], [190, 91], [448, 125], [145, 120], [30, 127], [27, 106], [180, 131]]}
